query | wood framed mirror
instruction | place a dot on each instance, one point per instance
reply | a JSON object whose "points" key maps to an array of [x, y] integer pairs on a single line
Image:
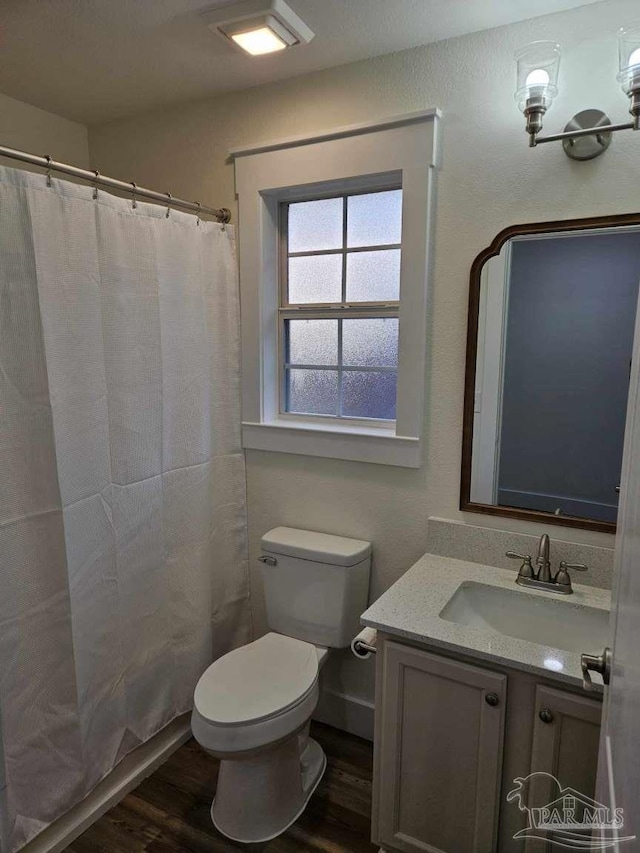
{"points": [[552, 309]]}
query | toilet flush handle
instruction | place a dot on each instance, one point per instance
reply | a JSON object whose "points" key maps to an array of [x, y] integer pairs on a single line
{"points": [[270, 561]]}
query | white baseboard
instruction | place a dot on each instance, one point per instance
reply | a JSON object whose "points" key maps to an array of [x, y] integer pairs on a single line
{"points": [[348, 713], [124, 778]]}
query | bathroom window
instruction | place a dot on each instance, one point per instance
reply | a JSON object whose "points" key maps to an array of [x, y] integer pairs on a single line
{"points": [[334, 250], [339, 306]]}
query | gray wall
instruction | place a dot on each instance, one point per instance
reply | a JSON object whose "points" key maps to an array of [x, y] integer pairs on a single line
{"points": [[572, 303], [38, 131]]}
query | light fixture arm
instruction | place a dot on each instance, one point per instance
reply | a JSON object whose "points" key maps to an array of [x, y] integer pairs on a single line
{"points": [[587, 131]]}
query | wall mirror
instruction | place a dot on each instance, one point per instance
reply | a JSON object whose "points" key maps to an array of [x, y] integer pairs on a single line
{"points": [[552, 311]]}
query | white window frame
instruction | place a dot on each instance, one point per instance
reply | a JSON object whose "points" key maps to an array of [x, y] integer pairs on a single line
{"points": [[400, 151]]}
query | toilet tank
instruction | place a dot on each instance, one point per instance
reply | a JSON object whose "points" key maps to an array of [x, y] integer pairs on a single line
{"points": [[315, 585]]}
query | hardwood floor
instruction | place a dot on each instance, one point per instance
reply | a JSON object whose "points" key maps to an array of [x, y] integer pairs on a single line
{"points": [[169, 811]]}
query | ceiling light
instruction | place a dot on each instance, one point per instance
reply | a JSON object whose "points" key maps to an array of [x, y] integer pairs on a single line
{"points": [[259, 41], [259, 27]]}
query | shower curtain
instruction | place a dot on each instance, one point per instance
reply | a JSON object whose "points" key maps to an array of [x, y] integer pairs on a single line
{"points": [[123, 568]]}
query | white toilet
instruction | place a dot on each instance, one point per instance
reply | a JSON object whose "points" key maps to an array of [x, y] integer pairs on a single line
{"points": [[252, 707]]}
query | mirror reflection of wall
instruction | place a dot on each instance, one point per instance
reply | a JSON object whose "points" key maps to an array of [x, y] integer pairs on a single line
{"points": [[555, 338]]}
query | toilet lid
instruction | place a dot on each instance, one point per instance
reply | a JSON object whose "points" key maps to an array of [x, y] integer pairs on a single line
{"points": [[257, 681]]}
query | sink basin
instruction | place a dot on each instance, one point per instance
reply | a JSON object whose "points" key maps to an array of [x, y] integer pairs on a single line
{"points": [[559, 624]]}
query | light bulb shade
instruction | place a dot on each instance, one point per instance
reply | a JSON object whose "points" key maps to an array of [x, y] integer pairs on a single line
{"points": [[538, 67], [629, 57]]}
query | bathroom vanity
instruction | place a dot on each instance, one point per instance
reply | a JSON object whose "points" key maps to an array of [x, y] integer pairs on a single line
{"points": [[478, 684]]}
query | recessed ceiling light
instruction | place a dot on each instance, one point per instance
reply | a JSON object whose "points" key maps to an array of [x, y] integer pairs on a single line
{"points": [[257, 42], [259, 27]]}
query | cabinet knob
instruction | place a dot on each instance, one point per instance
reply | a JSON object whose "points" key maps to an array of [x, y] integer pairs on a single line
{"points": [[546, 716], [492, 699]]}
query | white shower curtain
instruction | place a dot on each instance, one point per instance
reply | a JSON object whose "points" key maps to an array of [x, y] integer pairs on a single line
{"points": [[123, 569]]}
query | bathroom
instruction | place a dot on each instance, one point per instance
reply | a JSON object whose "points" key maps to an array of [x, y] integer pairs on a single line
{"points": [[154, 93]]}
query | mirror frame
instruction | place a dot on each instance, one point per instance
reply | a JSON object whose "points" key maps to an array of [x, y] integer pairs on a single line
{"points": [[466, 505]]}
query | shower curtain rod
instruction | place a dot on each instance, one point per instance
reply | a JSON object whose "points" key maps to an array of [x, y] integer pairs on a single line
{"points": [[222, 214]]}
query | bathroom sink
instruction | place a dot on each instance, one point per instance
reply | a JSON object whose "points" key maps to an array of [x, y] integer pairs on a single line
{"points": [[559, 624]]}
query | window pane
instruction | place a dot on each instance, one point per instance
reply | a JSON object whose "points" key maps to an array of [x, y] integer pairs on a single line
{"points": [[373, 276], [315, 225], [312, 392], [369, 395], [374, 219], [317, 278], [312, 341], [370, 343]]}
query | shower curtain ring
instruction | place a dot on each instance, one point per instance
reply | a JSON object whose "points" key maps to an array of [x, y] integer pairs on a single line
{"points": [[95, 184], [198, 215], [169, 197], [134, 203], [48, 159]]}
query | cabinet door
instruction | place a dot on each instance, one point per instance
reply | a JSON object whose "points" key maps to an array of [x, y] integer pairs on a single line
{"points": [[440, 753], [565, 744]]}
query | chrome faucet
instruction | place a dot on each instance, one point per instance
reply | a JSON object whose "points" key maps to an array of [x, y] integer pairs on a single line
{"points": [[542, 578]]}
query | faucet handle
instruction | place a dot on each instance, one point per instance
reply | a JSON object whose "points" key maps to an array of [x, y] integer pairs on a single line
{"points": [[563, 578], [526, 558], [526, 569], [578, 567]]}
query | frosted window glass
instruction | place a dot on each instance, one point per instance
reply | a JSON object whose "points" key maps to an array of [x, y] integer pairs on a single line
{"points": [[373, 276], [374, 219], [317, 278], [370, 343], [312, 392], [369, 395], [313, 341], [315, 225]]}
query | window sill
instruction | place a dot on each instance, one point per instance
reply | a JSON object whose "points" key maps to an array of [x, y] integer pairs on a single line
{"points": [[358, 444]]}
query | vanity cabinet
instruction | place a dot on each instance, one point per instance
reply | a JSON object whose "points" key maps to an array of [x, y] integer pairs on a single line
{"points": [[566, 735], [451, 736], [440, 753]]}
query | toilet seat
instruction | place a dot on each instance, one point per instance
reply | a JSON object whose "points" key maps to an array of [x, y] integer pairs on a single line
{"points": [[256, 694], [257, 681]]}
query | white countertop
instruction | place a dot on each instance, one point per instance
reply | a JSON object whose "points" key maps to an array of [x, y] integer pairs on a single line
{"points": [[411, 609]]}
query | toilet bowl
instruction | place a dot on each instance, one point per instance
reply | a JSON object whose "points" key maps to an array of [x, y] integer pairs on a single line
{"points": [[252, 710], [252, 707]]}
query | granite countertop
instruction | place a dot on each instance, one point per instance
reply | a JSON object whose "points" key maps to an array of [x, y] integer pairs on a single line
{"points": [[411, 609]]}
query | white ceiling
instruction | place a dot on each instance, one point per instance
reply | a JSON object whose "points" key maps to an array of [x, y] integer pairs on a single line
{"points": [[93, 60]]}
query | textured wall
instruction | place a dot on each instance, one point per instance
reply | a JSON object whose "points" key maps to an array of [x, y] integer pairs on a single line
{"points": [[488, 179], [39, 132]]}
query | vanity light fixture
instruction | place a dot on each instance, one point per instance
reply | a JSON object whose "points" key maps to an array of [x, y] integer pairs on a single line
{"points": [[588, 134], [259, 27]]}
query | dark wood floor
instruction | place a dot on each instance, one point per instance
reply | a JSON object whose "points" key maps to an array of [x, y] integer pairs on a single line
{"points": [[169, 811]]}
